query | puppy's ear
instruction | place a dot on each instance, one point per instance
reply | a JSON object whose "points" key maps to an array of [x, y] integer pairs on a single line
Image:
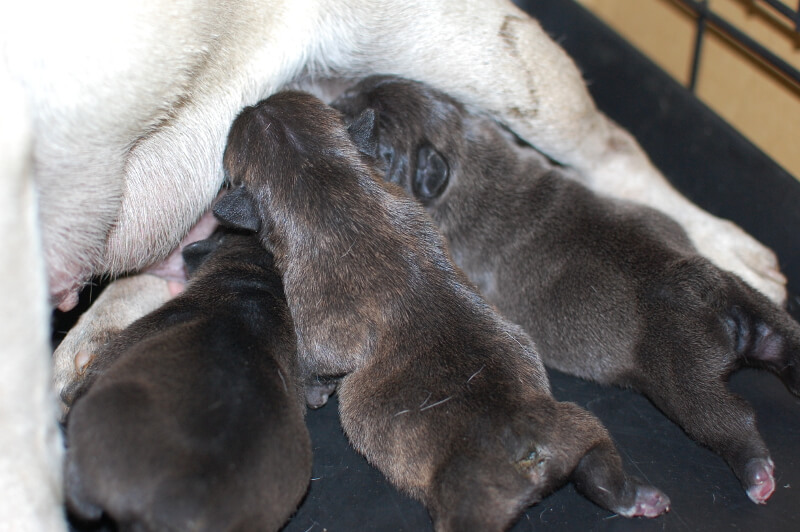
{"points": [[196, 253], [364, 133], [432, 174], [238, 210]]}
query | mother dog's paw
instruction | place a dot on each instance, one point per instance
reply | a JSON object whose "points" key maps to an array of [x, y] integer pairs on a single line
{"points": [[123, 302], [730, 248]]}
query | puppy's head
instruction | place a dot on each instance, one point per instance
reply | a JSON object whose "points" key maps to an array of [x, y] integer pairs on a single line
{"points": [[196, 253], [415, 126], [282, 135], [265, 149], [274, 145]]}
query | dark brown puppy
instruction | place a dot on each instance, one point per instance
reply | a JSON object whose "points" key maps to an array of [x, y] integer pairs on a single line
{"points": [[193, 418], [443, 395], [611, 291]]}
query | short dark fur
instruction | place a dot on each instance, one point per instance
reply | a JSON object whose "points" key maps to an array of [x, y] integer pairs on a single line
{"points": [[610, 290], [192, 418], [443, 395]]}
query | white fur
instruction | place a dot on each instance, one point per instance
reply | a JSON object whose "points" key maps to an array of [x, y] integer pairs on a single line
{"points": [[30, 475], [128, 104]]}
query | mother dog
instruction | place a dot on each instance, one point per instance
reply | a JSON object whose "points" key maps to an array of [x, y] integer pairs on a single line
{"points": [[112, 124]]}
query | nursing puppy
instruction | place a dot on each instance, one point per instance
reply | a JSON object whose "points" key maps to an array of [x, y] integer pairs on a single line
{"points": [[611, 291], [444, 396], [192, 418]]}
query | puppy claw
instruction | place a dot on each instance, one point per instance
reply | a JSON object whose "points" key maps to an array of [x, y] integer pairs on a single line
{"points": [[761, 479], [650, 502], [82, 361]]}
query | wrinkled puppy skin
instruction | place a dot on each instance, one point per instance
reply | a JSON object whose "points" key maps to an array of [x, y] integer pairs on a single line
{"points": [[192, 418], [611, 291], [449, 400]]}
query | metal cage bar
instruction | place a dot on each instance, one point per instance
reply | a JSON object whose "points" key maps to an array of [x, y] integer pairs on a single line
{"points": [[783, 9], [706, 16]]}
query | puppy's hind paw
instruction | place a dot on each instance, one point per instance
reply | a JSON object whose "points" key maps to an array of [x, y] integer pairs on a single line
{"points": [[760, 479], [649, 502]]}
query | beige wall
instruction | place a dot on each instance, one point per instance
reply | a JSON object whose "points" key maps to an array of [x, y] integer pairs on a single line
{"points": [[764, 107]]}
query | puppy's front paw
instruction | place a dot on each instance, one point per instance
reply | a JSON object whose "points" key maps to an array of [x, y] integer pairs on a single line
{"points": [[730, 248], [318, 392], [123, 302]]}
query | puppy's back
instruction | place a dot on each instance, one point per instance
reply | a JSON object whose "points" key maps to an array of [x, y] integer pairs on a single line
{"points": [[198, 423]]}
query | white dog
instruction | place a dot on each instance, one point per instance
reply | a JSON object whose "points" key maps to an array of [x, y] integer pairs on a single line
{"points": [[114, 116]]}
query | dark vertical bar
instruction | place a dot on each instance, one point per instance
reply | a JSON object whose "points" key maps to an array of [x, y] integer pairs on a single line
{"points": [[797, 17], [698, 45]]}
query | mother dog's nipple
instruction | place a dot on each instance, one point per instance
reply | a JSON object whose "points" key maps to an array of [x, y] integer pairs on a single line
{"points": [[66, 301]]}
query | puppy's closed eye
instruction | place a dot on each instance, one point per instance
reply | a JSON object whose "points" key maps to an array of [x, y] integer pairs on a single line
{"points": [[432, 174]]}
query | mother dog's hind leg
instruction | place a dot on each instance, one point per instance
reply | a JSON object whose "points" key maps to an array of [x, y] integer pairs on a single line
{"points": [[494, 56], [30, 443]]}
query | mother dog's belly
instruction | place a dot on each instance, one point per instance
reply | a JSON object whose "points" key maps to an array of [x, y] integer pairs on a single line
{"points": [[129, 134]]}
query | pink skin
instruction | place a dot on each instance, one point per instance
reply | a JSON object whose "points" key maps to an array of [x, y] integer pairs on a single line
{"points": [[171, 268], [65, 286], [650, 503], [761, 472], [64, 295], [66, 300]]}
